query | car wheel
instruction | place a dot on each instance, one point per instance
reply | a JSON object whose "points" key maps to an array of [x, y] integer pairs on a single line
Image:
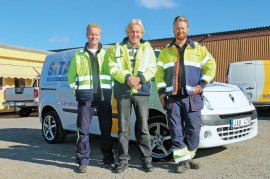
{"points": [[52, 129], [160, 139], [24, 112]]}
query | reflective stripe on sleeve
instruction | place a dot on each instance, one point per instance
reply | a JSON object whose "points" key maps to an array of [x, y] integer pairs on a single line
{"points": [[194, 64], [72, 85], [126, 71], [85, 87], [106, 86], [141, 69], [152, 65], [189, 88], [153, 70], [146, 57], [169, 65], [160, 63], [169, 89], [206, 78], [146, 60], [159, 85], [113, 64], [83, 78], [105, 77], [117, 56], [113, 70], [206, 59]]}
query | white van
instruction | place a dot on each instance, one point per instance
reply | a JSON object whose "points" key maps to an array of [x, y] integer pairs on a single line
{"points": [[228, 115], [254, 78]]}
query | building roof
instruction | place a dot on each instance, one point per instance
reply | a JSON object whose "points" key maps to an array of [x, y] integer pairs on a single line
{"points": [[259, 31], [11, 47], [251, 32]]}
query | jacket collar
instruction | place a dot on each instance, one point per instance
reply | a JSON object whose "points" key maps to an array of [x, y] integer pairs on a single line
{"points": [[85, 49], [189, 41], [126, 39]]}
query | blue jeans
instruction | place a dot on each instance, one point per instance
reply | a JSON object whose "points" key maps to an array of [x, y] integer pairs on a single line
{"points": [[124, 106]]}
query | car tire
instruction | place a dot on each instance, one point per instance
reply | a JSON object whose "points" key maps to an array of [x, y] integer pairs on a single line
{"points": [[160, 139], [52, 129], [24, 112]]}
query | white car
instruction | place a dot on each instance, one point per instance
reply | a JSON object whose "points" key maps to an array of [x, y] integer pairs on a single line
{"points": [[228, 115]]}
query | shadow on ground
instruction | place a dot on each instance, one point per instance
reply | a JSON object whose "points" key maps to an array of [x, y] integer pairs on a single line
{"points": [[27, 145]]}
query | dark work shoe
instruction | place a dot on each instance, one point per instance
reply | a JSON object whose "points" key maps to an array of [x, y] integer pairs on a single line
{"points": [[148, 167], [183, 166], [82, 169], [110, 166], [121, 167], [194, 165]]}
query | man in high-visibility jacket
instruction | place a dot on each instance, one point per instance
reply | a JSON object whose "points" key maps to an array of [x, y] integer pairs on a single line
{"points": [[133, 65], [90, 79], [180, 84]]}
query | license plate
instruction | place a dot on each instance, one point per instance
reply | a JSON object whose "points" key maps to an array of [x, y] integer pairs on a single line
{"points": [[20, 103], [240, 122]]}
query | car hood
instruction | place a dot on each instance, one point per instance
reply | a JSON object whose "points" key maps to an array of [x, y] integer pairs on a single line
{"points": [[225, 96], [219, 87]]}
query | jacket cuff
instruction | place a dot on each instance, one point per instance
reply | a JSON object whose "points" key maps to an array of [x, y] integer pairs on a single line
{"points": [[126, 78], [161, 91], [142, 78], [203, 84]]}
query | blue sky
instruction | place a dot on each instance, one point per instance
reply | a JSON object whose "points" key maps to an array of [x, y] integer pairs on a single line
{"points": [[58, 24]]}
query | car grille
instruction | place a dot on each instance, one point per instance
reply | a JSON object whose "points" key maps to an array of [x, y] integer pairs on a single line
{"points": [[236, 115], [227, 133]]}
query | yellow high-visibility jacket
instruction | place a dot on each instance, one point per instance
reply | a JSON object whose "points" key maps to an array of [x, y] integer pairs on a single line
{"points": [[80, 76], [120, 68], [196, 59]]}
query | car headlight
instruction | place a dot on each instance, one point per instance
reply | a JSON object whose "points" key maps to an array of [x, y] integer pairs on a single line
{"points": [[206, 103], [245, 93]]}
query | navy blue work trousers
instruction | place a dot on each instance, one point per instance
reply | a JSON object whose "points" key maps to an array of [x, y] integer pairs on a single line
{"points": [[184, 124], [85, 113]]}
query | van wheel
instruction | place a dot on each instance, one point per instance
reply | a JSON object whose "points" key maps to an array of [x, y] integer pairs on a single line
{"points": [[24, 112], [52, 129], [160, 139]]}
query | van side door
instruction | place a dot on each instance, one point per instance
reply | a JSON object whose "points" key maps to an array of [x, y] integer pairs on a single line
{"points": [[244, 75], [263, 80]]}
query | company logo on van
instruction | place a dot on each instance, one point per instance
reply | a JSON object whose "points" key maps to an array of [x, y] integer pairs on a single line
{"points": [[58, 71], [266, 96]]}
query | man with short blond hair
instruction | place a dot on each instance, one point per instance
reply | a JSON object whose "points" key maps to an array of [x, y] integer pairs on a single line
{"points": [[133, 65], [90, 79], [180, 83]]}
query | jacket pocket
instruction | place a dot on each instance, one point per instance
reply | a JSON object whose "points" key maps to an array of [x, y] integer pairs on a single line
{"points": [[145, 90], [121, 90], [196, 102], [84, 95], [168, 103]]}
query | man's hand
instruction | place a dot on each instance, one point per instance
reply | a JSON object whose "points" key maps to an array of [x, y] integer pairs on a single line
{"points": [[138, 87], [161, 98], [197, 89], [134, 81]]}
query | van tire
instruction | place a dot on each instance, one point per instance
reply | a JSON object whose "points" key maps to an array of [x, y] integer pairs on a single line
{"points": [[160, 139], [24, 112], [52, 129]]}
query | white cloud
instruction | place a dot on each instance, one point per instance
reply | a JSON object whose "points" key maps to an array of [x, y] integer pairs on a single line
{"points": [[157, 4], [59, 40]]}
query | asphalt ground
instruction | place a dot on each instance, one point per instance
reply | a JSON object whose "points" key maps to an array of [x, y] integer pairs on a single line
{"points": [[24, 154]]}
